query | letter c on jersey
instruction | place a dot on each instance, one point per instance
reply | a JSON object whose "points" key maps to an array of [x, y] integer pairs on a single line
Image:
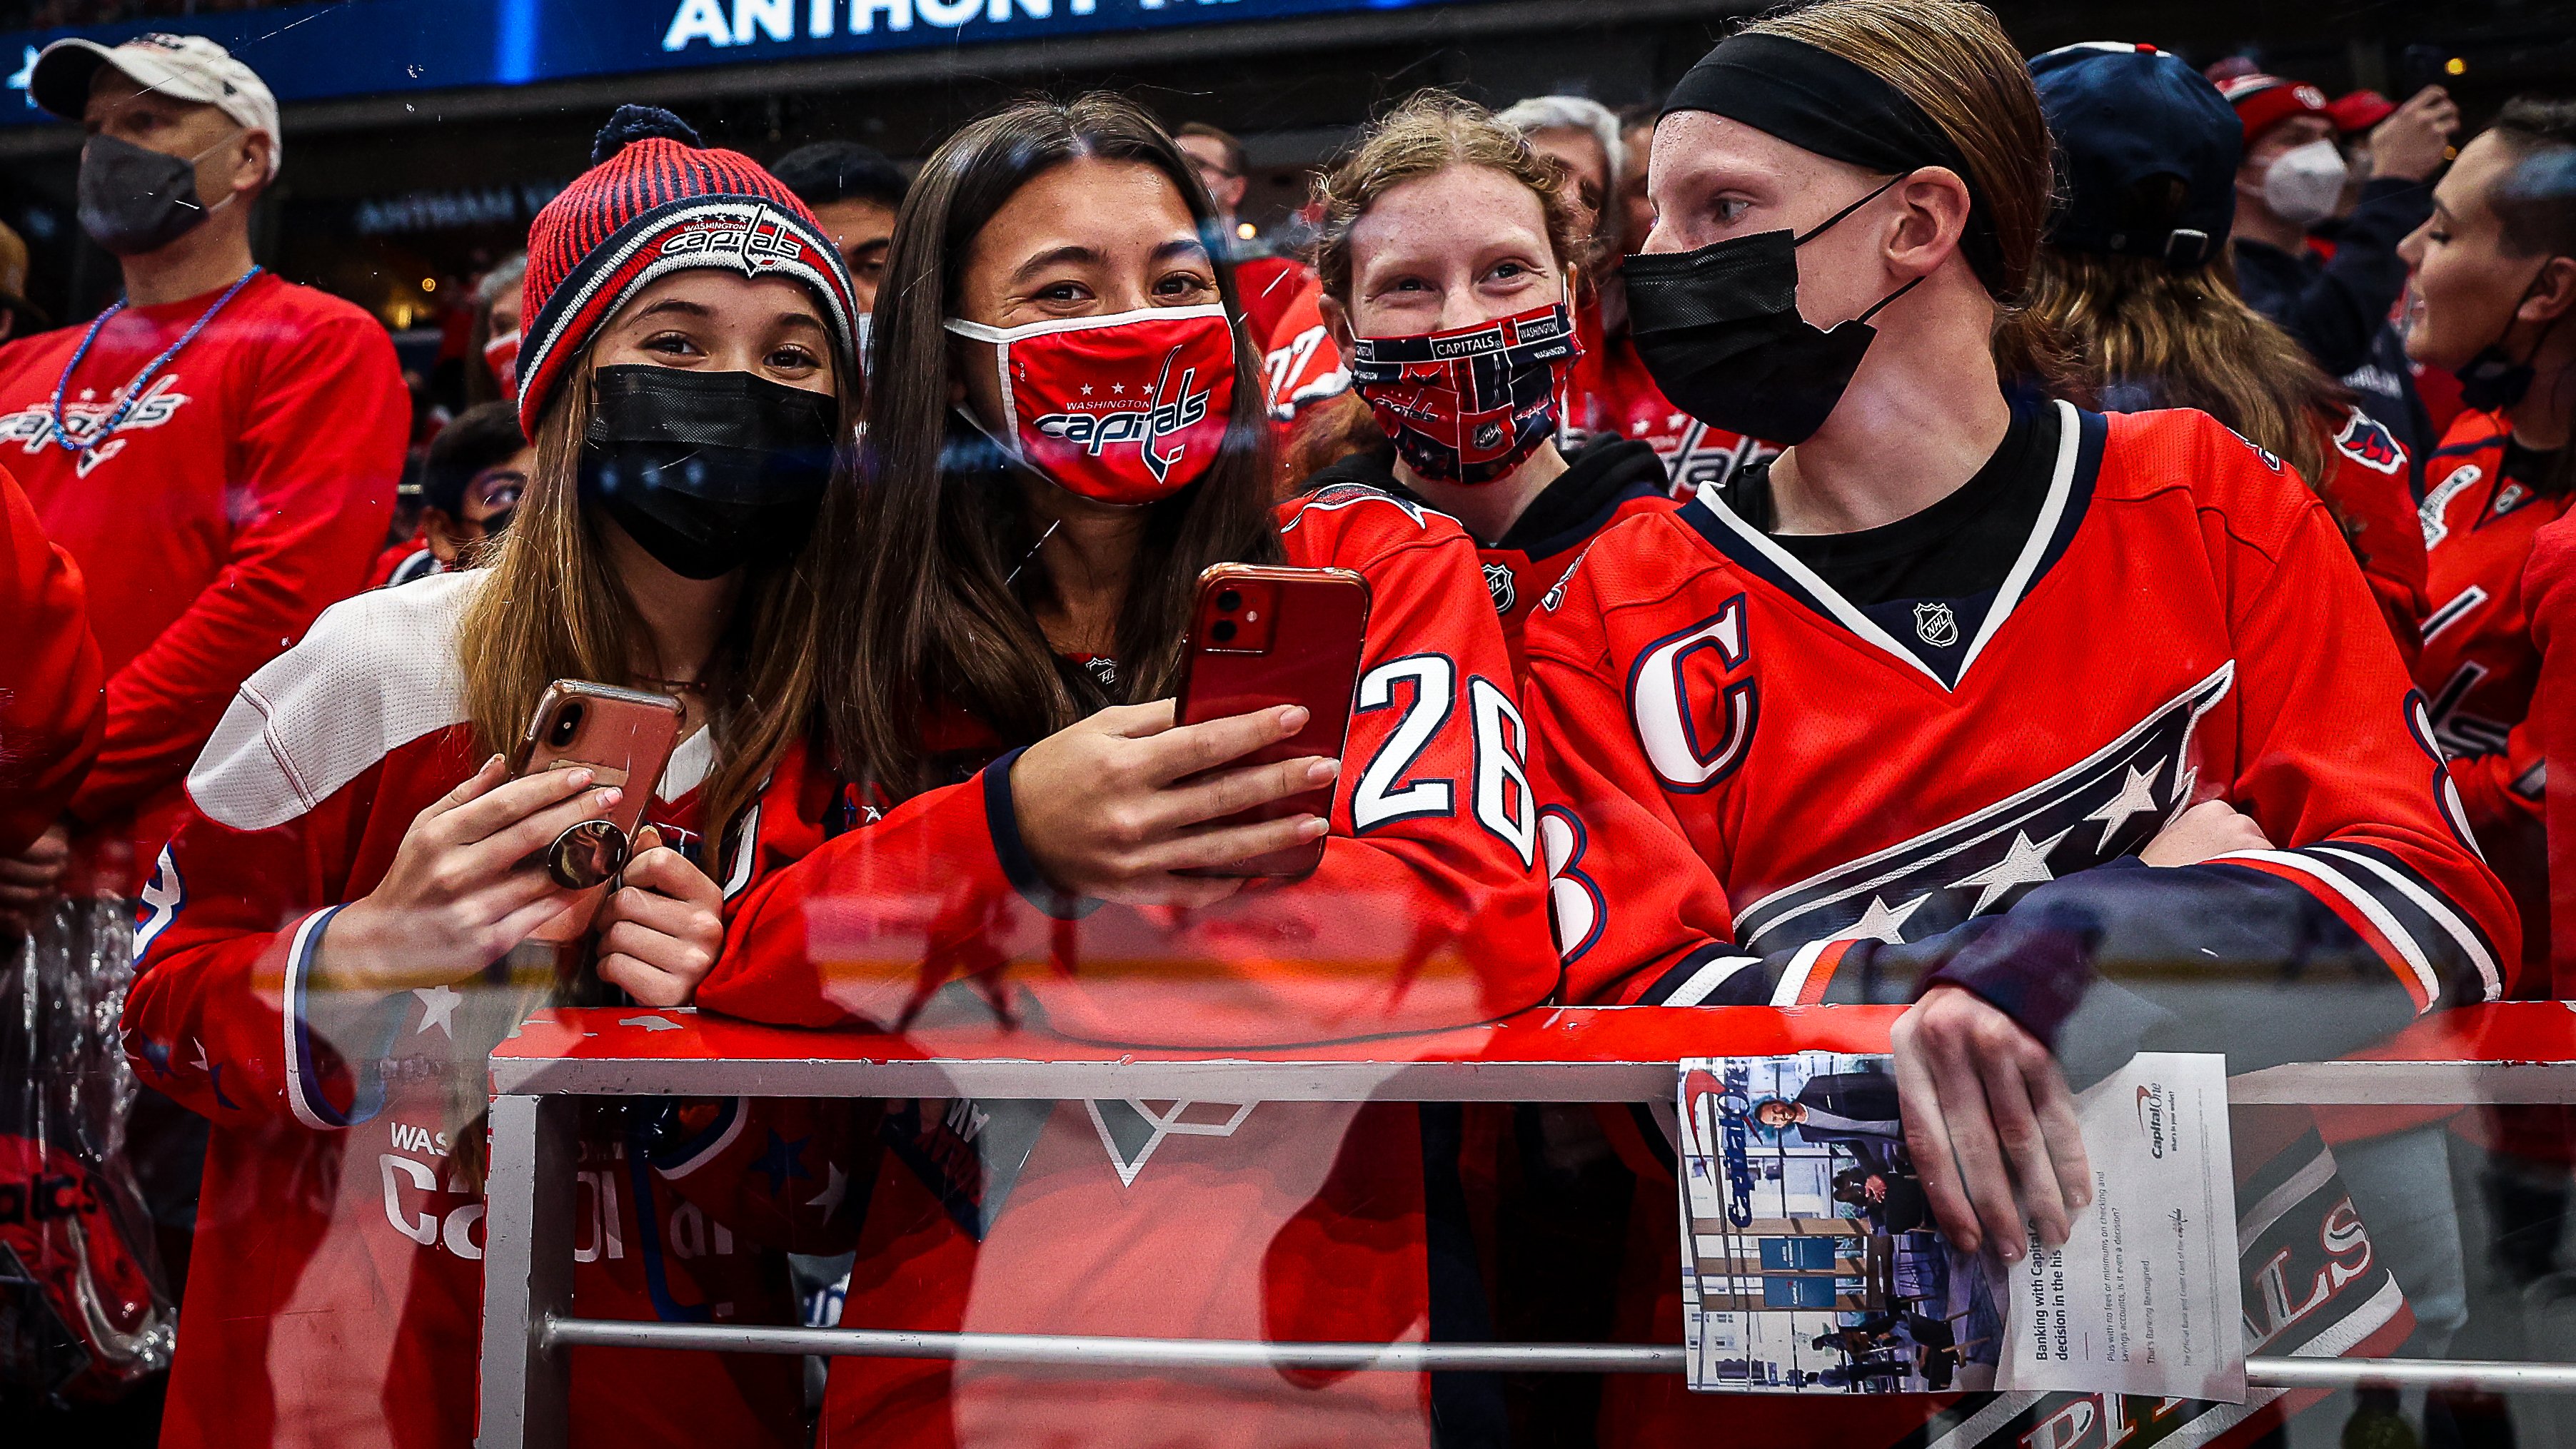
{"points": [[1668, 726]]}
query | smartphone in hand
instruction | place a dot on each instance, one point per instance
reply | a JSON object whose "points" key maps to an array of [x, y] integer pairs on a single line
{"points": [[624, 737], [1261, 637]]}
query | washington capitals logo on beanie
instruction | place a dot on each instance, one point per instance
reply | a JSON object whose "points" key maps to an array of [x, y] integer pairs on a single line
{"points": [[656, 200]]}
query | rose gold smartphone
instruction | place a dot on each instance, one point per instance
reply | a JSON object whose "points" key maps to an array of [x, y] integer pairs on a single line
{"points": [[1262, 637], [624, 737]]}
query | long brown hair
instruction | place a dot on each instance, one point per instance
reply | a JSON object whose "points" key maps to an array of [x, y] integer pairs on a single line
{"points": [[925, 611], [1430, 132], [1952, 59], [2184, 339], [553, 608]]}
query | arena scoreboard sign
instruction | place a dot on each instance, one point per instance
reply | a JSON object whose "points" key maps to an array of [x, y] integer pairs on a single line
{"points": [[376, 47]]}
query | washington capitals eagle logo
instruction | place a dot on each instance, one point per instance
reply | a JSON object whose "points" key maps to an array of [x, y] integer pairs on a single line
{"points": [[2367, 442]]}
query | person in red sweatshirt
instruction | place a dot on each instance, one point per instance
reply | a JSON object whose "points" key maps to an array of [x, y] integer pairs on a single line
{"points": [[1023, 826], [49, 707], [352, 914], [218, 449]]}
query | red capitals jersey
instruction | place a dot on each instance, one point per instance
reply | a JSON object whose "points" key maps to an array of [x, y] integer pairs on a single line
{"points": [[335, 1285], [1679, 688], [1765, 793], [2549, 587], [249, 486], [2366, 490], [1189, 1219], [1612, 395], [49, 675], [2479, 664], [1300, 364]]}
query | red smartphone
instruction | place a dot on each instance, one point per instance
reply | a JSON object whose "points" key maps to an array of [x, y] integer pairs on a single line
{"points": [[624, 737], [1261, 637]]}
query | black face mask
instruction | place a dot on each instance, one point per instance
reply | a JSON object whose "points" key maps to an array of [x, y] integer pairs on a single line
{"points": [[134, 201], [2492, 380], [709, 471], [1719, 329]]}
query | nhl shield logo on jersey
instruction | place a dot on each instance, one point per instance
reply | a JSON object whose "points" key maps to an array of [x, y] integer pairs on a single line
{"points": [[1935, 625], [1498, 582], [2365, 441]]}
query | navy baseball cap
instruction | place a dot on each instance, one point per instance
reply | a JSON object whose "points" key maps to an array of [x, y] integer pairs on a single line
{"points": [[2122, 113]]}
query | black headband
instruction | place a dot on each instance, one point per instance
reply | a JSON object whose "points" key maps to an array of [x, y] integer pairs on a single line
{"points": [[1817, 101]]}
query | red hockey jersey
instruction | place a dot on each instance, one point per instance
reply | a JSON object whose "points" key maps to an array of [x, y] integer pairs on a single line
{"points": [[2478, 664], [1940, 800], [335, 1287], [49, 676], [1191, 1219], [2549, 587], [248, 487]]}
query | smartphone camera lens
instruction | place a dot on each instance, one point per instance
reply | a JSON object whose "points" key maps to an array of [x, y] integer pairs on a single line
{"points": [[567, 724], [1229, 601], [1224, 631]]}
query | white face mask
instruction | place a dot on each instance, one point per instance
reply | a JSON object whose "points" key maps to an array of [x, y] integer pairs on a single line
{"points": [[2305, 183]]}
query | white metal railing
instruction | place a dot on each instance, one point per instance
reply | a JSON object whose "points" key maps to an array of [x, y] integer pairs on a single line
{"points": [[2505, 1054]]}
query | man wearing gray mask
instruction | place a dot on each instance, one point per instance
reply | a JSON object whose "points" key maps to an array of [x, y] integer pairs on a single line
{"points": [[2289, 185], [217, 450]]}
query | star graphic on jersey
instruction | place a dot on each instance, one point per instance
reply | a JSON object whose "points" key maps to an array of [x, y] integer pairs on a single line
{"points": [[2023, 864], [438, 1009], [836, 1185], [2137, 797], [201, 1063], [156, 1055], [782, 1161], [1086, 389], [1878, 923]]}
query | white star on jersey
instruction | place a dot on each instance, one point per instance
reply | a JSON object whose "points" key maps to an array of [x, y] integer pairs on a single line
{"points": [[438, 1009], [1878, 923], [2137, 797], [2023, 864]]}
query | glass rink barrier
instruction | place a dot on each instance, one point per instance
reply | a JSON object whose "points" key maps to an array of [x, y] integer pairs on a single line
{"points": [[1320, 1270]]}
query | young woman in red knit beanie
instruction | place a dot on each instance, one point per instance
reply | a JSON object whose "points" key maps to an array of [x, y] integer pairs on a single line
{"points": [[341, 930]]}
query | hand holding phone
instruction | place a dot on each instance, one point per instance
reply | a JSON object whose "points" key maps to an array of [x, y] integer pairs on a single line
{"points": [[1179, 802], [623, 738]]}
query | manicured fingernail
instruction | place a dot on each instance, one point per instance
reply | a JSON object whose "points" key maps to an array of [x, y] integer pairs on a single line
{"points": [[2012, 1252], [1323, 770], [610, 797], [1293, 717], [1315, 825], [580, 778]]}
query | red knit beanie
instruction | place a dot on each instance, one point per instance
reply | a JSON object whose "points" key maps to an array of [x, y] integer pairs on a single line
{"points": [[656, 201]]}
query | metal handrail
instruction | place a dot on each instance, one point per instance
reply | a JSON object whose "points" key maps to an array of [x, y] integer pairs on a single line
{"points": [[1097, 1351]]}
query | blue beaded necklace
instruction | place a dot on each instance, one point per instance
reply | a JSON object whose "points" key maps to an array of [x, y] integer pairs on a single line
{"points": [[133, 390]]}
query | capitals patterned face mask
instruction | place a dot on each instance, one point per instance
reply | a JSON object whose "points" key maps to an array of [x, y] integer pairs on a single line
{"points": [[1471, 404], [1126, 409]]}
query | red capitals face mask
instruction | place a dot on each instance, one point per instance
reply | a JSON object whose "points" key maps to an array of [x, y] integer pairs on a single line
{"points": [[1127, 409], [1471, 404]]}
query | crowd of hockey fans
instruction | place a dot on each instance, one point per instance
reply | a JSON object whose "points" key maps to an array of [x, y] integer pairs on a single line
{"points": [[2066, 545]]}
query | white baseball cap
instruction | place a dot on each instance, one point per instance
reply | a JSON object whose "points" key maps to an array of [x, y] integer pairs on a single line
{"points": [[185, 67]]}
